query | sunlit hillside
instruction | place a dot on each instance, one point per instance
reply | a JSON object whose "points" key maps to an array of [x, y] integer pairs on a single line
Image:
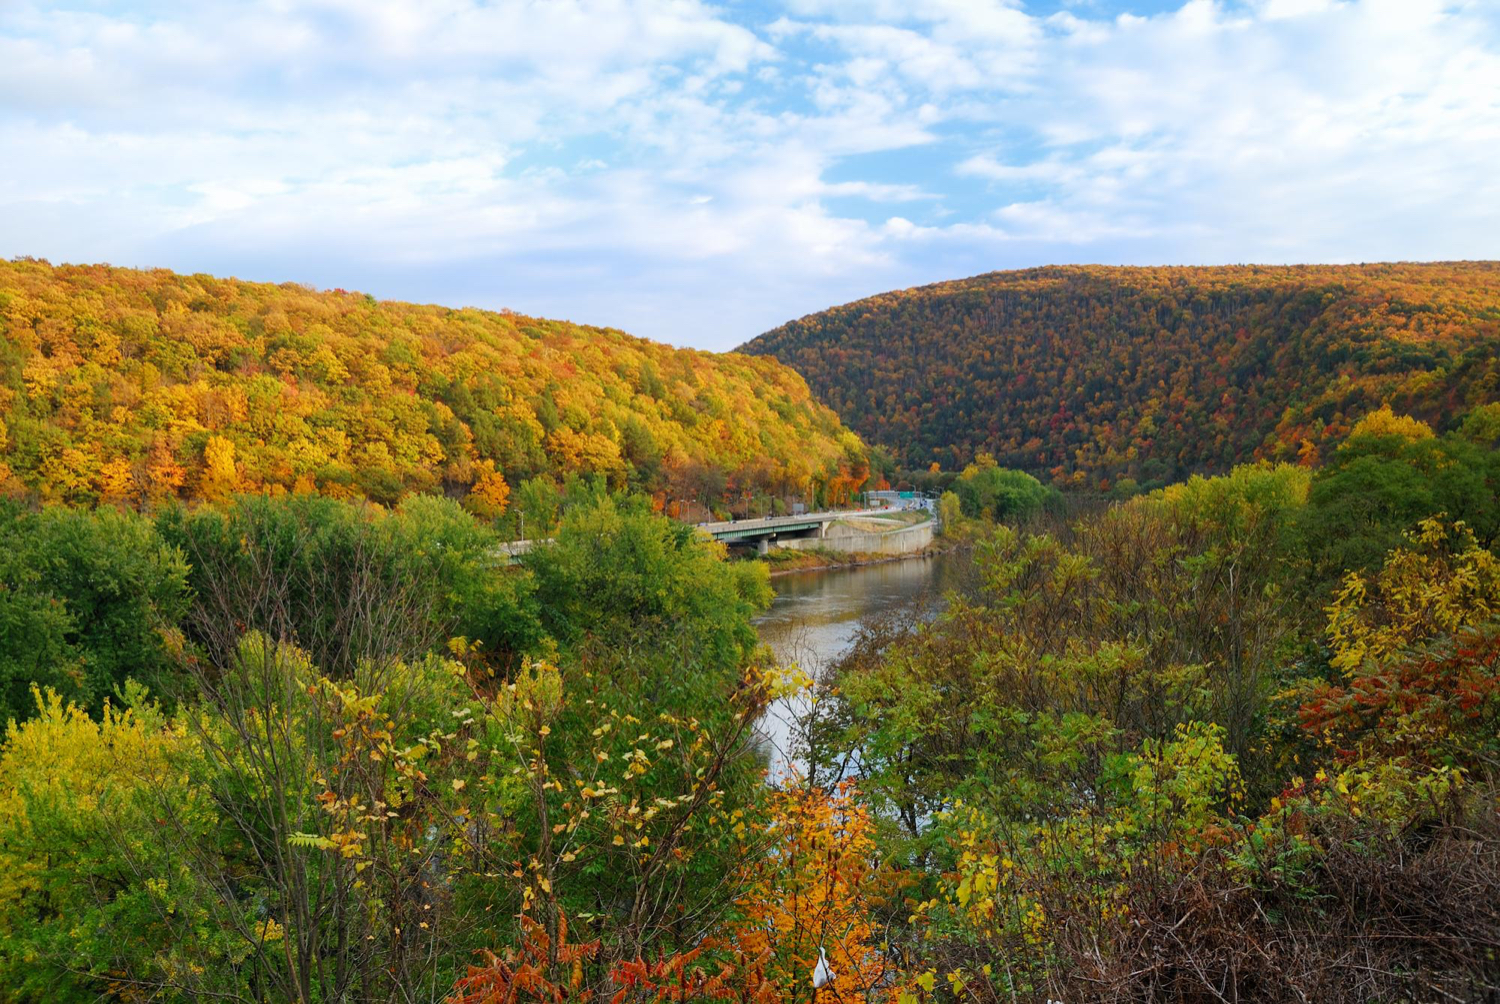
{"points": [[125, 385]]}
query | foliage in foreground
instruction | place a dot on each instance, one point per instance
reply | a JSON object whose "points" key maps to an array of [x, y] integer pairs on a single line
{"points": [[1138, 762], [1184, 748], [342, 804]]}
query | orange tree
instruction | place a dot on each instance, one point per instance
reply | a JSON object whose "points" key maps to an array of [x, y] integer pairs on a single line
{"points": [[815, 887], [819, 887]]}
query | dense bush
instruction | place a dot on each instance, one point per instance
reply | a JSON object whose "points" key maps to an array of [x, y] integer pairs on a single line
{"points": [[1389, 474], [86, 600], [1171, 749], [622, 580], [347, 582], [1134, 762], [985, 489], [347, 804]]}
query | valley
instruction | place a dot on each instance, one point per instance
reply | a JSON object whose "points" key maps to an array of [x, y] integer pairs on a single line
{"points": [[359, 651]]}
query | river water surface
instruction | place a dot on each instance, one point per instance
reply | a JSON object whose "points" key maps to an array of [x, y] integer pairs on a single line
{"points": [[814, 620]]}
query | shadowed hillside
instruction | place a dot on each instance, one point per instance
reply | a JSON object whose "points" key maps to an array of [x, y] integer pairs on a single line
{"points": [[1093, 374]]}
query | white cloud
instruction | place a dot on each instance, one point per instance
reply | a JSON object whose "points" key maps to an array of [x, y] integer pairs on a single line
{"points": [[699, 173]]}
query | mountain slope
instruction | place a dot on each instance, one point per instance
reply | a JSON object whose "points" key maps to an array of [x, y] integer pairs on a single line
{"points": [[1092, 373], [126, 385]]}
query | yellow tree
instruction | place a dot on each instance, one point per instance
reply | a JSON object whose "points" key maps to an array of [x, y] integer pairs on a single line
{"points": [[220, 478], [116, 481], [816, 890], [490, 492], [1384, 422], [164, 476], [1442, 582]]}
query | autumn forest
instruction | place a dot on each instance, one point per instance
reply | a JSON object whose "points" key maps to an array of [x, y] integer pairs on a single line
{"points": [[1088, 375], [135, 387], [1207, 708]]}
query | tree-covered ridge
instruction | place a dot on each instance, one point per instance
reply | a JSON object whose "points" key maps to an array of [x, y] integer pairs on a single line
{"points": [[133, 386], [1092, 374]]}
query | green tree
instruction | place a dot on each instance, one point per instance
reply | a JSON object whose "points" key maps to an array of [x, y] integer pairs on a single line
{"points": [[1383, 480], [347, 583], [659, 659], [537, 505], [621, 579], [988, 490], [86, 601], [92, 895], [950, 509]]}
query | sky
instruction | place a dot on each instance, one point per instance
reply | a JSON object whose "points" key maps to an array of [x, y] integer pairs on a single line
{"points": [[701, 172]]}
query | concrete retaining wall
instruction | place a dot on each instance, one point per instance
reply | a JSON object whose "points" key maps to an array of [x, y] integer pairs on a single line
{"points": [[905, 540]]}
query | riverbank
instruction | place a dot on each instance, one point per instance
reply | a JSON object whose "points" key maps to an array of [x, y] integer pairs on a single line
{"points": [[786, 561]]}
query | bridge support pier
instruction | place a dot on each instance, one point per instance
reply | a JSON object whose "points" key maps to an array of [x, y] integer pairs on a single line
{"points": [[763, 545]]}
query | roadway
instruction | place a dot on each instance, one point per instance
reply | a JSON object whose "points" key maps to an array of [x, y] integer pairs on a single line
{"points": [[739, 529]]}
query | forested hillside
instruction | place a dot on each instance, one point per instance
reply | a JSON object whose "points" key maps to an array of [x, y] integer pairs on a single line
{"points": [[1092, 374], [133, 386]]}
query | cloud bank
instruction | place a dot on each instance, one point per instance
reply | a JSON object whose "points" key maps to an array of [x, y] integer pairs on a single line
{"points": [[699, 173]]}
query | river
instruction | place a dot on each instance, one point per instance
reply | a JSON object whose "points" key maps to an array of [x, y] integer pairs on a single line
{"points": [[815, 617]]}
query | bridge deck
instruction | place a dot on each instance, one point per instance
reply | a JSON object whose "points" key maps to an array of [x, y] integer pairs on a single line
{"points": [[741, 528], [728, 529]]}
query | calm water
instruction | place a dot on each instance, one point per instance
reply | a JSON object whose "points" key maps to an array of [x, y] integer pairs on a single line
{"points": [[815, 617]]}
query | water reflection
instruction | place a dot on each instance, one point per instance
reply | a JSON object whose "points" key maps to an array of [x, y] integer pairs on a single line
{"points": [[814, 620]]}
